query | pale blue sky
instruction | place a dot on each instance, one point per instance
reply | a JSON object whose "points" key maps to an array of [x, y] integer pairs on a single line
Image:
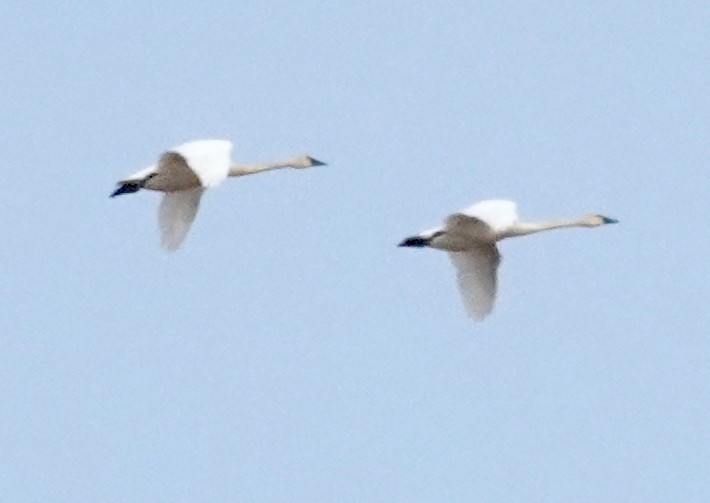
{"points": [[290, 351]]}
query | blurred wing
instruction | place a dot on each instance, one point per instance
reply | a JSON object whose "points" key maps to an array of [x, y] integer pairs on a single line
{"points": [[174, 174], [208, 159], [470, 228], [476, 275], [499, 214], [176, 214]]}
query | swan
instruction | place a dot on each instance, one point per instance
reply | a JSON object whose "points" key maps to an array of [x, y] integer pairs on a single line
{"points": [[183, 173], [470, 237]]}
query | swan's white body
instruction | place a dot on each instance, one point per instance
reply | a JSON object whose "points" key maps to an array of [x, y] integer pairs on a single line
{"points": [[470, 237], [183, 173]]}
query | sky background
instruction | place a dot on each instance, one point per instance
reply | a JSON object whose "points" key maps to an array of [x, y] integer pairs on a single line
{"points": [[289, 351]]}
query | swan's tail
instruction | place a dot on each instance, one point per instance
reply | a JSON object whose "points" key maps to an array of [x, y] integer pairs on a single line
{"points": [[415, 242], [127, 188]]}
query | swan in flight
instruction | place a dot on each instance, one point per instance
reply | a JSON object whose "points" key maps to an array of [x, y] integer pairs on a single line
{"points": [[470, 237], [184, 173]]}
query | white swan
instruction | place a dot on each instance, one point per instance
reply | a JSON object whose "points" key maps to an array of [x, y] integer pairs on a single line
{"points": [[184, 173], [470, 237]]}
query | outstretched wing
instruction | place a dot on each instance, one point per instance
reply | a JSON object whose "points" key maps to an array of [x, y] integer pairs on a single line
{"points": [[476, 275], [175, 216], [173, 174], [498, 214], [469, 230], [208, 159]]}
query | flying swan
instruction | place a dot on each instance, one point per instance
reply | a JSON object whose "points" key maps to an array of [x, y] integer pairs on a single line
{"points": [[470, 237], [184, 173]]}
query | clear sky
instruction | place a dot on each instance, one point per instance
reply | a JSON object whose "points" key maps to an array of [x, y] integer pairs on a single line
{"points": [[289, 351]]}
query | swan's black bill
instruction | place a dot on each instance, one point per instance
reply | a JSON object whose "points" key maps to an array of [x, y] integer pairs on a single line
{"points": [[316, 162], [126, 188], [608, 220], [415, 242]]}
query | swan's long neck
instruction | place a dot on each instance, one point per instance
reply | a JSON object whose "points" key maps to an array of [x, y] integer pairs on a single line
{"points": [[250, 169], [525, 228]]}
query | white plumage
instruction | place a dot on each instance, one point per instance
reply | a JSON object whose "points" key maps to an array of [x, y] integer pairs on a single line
{"points": [[209, 159], [498, 214], [470, 237], [476, 279], [175, 216], [183, 173]]}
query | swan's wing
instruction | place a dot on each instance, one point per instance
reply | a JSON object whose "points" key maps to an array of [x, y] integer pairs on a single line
{"points": [[470, 228], [173, 174], [176, 214], [499, 214], [208, 159], [476, 276]]}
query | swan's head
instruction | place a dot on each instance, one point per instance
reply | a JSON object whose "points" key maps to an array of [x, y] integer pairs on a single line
{"points": [[306, 161], [597, 220]]}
